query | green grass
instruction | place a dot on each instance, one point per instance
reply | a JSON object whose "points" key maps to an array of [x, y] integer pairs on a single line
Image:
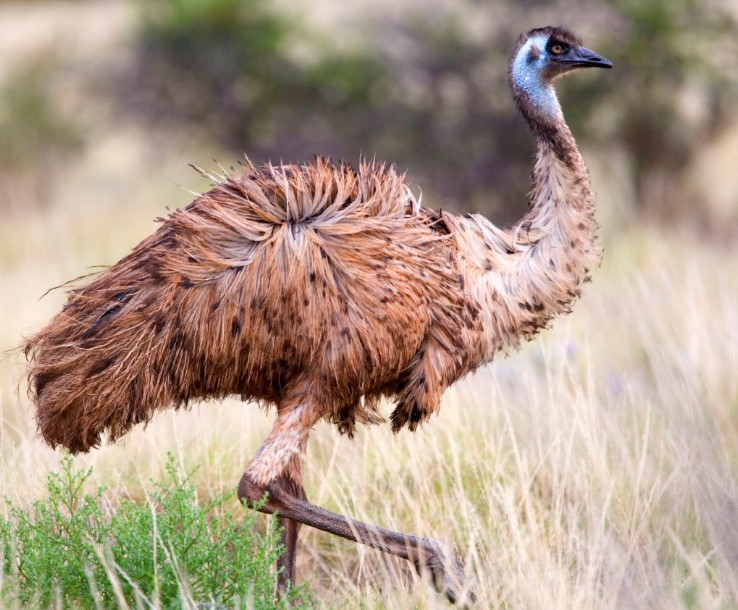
{"points": [[76, 550]]}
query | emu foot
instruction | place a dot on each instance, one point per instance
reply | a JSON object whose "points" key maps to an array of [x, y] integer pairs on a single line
{"points": [[446, 573]]}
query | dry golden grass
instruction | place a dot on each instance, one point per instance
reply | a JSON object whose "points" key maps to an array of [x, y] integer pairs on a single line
{"points": [[594, 469]]}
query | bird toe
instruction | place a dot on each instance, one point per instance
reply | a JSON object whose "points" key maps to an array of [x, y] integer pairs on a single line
{"points": [[446, 573]]}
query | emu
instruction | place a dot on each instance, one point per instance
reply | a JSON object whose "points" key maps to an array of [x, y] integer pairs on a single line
{"points": [[320, 289]]}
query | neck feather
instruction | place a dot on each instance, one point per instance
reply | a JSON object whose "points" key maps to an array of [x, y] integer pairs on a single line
{"points": [[554, 243], [533, 271]]}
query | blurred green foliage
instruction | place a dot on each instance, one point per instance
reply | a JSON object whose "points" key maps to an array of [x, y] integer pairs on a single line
{"points": [[674, 88], [420, 88], [33, 131], [226, 66], [37, 138], [423, 90]]}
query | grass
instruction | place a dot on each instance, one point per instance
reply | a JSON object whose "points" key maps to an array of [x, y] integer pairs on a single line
{"points": [[594, 469], [74, 549]]}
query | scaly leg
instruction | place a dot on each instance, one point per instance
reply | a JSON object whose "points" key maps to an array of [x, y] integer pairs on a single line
{"points": [[276, 471], [428, 556], [290, 530]]}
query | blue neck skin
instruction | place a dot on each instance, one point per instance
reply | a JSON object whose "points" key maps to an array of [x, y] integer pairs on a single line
{"points": [[526, 76]]}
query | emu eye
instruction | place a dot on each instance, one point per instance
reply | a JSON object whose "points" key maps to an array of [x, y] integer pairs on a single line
{"points": [[557, 49]]}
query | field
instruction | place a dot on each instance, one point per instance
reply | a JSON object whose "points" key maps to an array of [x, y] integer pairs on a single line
{"points": [[595, 468]]}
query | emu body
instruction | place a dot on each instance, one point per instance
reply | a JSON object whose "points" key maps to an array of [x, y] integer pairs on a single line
{"points": [[320, 290]]}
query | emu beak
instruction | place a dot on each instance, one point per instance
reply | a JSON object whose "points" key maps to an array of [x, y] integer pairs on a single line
{"points": [[581, 57]]}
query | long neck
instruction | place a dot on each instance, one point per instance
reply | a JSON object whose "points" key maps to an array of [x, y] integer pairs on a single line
{"points": [[554, 243], [525, 275]]}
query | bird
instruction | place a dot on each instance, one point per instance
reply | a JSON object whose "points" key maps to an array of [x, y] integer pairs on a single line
{"points": [[321, 289]]}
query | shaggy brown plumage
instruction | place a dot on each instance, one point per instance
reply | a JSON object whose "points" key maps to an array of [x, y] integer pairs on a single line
{"points": [[320, 289], [291, 283]]}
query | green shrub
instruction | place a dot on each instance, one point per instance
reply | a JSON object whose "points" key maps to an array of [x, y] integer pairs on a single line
{"points": [[71, 549], [229, 67]]}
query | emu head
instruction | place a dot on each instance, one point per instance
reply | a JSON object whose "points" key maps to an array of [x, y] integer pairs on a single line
{"points": [[544, 54]]}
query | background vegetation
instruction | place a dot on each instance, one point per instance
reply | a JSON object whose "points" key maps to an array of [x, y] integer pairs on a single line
{"points": [[427, 90], [596, 468]]}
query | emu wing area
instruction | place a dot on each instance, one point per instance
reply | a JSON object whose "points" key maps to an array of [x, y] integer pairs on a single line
{"points": [[309, 283]]}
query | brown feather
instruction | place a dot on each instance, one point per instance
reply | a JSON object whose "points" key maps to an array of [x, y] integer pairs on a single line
{"points": [[290, 282]]}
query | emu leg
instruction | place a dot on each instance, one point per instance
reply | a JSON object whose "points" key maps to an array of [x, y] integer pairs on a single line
{"points": [[428, 556], [290, 530]]}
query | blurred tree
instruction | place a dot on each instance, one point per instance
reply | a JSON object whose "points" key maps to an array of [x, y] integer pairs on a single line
{"points": [[226, 66], [674, 89], [428, 91]]}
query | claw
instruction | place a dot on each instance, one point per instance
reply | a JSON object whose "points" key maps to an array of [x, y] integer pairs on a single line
{"points": [[446, 574]]}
